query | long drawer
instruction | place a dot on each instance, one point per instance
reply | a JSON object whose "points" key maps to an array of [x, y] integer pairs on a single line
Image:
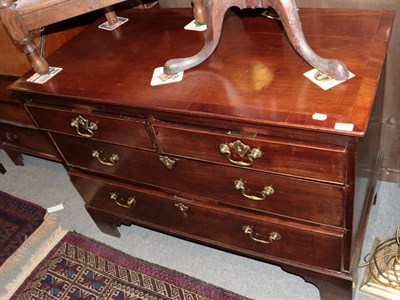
{"points": [[259, 191], [303, 159], [231, 228], [123, 131]]}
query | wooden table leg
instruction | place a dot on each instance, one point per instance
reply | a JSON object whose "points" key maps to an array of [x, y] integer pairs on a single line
{"points": [[287, 12], [199, 11]]}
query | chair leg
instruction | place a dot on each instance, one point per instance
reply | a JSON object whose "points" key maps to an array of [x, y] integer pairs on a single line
{"points": [[12, 21], [109, 12]]}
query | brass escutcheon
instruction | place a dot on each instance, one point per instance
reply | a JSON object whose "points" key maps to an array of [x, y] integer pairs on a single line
{"points": [[168, 162], [267, 191], [115, 196], [80, 121], [273, 236], [112, 160], [240, 149]]}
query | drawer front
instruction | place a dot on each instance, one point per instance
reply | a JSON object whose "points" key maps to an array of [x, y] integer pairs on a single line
{"points": [[27, 140], [296, 198], [320, 162], [233, 229], [15, 113], [122, 131]]}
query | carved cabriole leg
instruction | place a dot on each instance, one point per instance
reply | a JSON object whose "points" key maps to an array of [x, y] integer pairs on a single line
{"points": [[12, 21], [215, 16], [287, 11]]}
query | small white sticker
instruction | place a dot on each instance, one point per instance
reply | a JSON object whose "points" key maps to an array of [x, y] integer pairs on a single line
{"points": [[194, 26], [106, 26], [344, 126], [319, 117], [322, 80], [37, 78], [160, 78], [55, 208]]}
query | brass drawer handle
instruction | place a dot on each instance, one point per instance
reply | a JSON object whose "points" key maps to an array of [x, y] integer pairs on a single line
{"points": [[131, 200], [267, 191], [240, 149], [12, 137], [182, 208], [90, 127], [273, 236], [112, 160]]}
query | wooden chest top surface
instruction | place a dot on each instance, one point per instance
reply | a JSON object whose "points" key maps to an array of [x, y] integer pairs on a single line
{"points": [[255, 75]]}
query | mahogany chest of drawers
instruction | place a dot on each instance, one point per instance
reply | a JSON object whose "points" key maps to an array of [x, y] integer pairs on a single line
{"points": [[232, 156]]}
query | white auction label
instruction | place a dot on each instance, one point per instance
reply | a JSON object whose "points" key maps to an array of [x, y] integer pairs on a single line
{"points": [[344, 126], [319, 117], [55, 208]]}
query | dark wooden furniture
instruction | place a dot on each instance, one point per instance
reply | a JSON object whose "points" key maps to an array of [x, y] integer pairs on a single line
{"points": [[23, 16], [231, 156]]}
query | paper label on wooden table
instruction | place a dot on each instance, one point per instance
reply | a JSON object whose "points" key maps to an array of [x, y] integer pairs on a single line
{"points": [[319, 117], [344, 126], [160, 78], [106, 26], [324, 81], [194, 26], [38, 78]]}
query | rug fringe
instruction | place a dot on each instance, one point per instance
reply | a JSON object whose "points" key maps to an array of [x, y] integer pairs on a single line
{"points": [[21, 264]]}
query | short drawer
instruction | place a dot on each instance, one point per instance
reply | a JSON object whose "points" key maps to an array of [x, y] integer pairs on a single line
{"points": [[123, 131], [27, 140], [11, 112], [269, 238], [309, 160], [254, 190]]}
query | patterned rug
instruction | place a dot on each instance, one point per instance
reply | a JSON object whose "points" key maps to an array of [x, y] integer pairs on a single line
{"points": [[81, 268], [18, 220]]}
